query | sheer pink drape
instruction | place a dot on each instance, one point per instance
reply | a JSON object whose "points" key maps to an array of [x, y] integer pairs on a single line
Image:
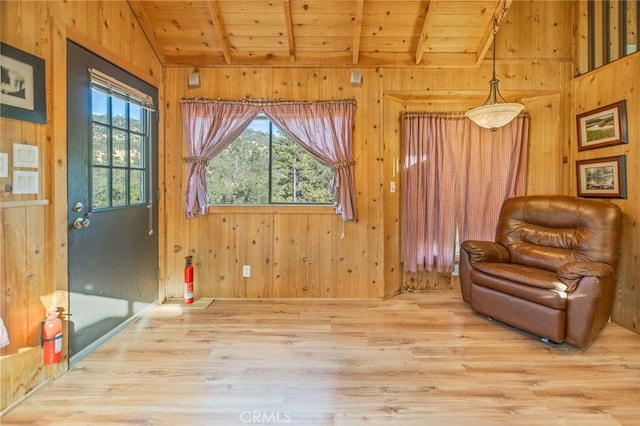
{"points": [[429, 181], [323, 128], [455, 175], [209, 127]]}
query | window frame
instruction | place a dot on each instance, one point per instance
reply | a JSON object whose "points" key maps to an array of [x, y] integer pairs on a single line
{"points": [[271, 204], [145, 113]]}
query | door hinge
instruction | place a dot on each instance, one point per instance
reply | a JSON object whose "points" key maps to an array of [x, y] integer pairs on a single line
{"points": [[158, 274]]}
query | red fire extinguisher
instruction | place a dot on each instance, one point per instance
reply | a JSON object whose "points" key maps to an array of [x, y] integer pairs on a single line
{"points": [[188, 281], [52, 337]]}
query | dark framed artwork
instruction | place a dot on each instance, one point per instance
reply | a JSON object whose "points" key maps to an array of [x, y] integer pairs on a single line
{"points": [[604, 126], [22, 90], [602, 177]]}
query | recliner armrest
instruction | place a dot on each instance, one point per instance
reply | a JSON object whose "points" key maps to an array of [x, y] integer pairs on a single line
{"points": [[571, 273], [485, 251]]}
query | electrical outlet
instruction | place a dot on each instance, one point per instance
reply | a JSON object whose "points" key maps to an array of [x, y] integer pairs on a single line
{"points": [[392, 186], [456, 270], [246, 271]]}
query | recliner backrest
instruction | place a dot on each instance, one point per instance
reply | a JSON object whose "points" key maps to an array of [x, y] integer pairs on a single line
{"points": [[547, 231]]}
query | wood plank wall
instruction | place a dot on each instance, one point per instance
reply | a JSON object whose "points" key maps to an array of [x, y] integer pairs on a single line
{"points": [[612, 83], [293, 251], [366, 262], [33, 228]]}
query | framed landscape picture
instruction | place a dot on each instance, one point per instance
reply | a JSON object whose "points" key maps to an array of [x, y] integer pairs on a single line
{"points": [[602, 127], [22, 89], [602, 177]]}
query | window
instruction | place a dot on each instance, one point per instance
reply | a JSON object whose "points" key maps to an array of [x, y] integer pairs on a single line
{"points": [[264, 166], [118, 151], [612, 28]]}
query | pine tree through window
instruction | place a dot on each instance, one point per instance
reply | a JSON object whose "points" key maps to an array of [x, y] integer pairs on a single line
{"points": [[264, 166]]}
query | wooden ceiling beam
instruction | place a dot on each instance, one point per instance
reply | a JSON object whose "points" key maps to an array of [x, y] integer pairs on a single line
{"points": [[325, 59], [290, 36], [147, 28], [487, 38], [357, 31], [214, 10], [425, 32]]}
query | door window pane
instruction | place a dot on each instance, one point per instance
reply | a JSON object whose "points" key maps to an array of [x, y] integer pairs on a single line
{"points": [[119, 148], [136, 186], [100, 187], [135, 151], [99, 107], [118, 113], [118, 187], [136, 118], [100, 147], [118, 152]]}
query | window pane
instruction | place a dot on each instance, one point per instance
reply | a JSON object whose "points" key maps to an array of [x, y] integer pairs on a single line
{"points": [[297, 177], [99, 187], [136, 116], [118, 113], [100, 146], [240, 173], [136, 187], [118, 187], [99, 102], [136, 158], [119, 147]]}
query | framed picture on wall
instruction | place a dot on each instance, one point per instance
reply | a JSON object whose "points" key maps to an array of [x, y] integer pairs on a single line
{"points": [[604, 126], [22, 90], [602, 177]]}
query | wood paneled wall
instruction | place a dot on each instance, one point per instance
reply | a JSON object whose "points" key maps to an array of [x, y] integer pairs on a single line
{"points": [[534, 55], [33, 228], [293, 251], [606, 85]]}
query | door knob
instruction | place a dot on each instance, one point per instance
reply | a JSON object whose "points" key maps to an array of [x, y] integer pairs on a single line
{"points": [[80, 223]]}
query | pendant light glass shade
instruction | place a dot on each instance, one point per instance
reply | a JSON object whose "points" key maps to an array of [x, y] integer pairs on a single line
{"points": [[494, 114]]}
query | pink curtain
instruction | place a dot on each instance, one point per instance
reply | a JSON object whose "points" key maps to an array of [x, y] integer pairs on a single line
{"points": [[455, 175], [209, 127], [324, 130], [494, 168], [429, 183]]}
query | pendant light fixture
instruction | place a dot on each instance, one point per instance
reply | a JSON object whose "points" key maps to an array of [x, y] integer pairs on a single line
{"points": [[494, 114]]}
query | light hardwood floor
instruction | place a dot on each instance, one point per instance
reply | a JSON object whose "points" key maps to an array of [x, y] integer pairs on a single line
{"points": [[415, 359]]}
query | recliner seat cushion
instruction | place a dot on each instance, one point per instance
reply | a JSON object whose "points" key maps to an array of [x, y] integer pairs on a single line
{"points": [[523, 274], [544, 289]]}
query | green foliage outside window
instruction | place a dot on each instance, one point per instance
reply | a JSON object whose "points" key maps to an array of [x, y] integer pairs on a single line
{"points": [[264, 166]]}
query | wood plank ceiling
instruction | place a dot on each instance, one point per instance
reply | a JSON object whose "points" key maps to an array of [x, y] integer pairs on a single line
{"points": [[329, 33]]}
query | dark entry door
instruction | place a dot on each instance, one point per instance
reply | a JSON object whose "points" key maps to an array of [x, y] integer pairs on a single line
{"points": [[112, 183]]}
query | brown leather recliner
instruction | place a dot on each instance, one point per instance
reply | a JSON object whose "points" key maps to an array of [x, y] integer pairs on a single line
{"points": [[551, 270]]}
